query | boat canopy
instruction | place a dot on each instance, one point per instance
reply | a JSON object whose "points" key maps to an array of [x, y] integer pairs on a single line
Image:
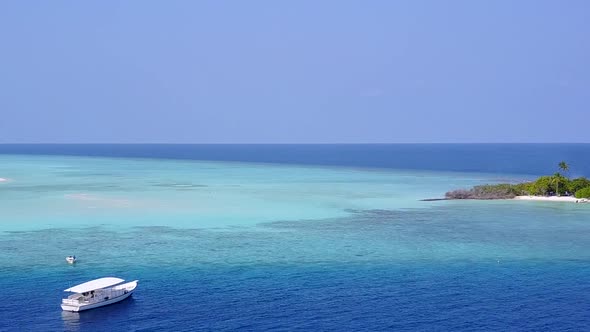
{"points": [[94, 285]]}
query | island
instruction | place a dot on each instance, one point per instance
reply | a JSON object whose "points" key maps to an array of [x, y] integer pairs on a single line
{"points": [[557, 187]]}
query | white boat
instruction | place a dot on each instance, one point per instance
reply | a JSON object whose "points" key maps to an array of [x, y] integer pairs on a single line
{"points": [[97, 293], [71, 259]]}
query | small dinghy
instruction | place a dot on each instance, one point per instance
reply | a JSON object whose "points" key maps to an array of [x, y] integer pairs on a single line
{"points": [[97, 293], [71, 259]]}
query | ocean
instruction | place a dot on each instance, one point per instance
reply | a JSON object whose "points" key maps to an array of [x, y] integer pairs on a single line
{"points": [[292, 237]]}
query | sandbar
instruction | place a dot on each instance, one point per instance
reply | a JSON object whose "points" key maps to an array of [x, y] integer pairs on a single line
{"points": [[551, 198]]}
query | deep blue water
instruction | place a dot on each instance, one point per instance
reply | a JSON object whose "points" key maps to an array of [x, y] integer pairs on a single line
{"points": [[530, 159], [453, 296]]}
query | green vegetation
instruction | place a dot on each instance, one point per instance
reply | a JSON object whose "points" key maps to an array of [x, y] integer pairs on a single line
{"points": [[583, 193], [577, 184], [548, 185], [488, 191]]}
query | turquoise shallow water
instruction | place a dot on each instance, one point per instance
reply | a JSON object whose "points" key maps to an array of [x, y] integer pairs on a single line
{"points": [[73, 191], [224, 246]]}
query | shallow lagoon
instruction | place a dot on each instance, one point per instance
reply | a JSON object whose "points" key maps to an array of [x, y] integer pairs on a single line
{"points": [[49, 192]]}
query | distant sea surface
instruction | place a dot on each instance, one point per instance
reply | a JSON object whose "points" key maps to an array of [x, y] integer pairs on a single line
{"points": [[535, 159], [292, 237]]}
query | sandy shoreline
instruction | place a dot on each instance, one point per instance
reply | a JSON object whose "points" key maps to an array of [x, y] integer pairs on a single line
{"points": [[551, 199]]}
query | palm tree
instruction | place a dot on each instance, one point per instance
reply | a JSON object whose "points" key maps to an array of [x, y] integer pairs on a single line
{"points": [[563, 166]]}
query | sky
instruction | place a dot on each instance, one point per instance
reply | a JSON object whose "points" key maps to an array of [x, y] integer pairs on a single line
{"points": [[302, 71]]}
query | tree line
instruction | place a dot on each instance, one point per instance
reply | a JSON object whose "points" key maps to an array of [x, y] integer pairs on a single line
{"points": [[557, 184]]}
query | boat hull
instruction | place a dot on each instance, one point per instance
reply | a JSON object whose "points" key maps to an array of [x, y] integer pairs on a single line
{"points": [[74, 308]]}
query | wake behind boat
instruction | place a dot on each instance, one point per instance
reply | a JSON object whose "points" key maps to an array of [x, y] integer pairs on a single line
{"points": [[97, 293]]}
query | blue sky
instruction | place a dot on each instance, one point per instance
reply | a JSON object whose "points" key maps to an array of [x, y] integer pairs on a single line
{"points": [[294, 71]]}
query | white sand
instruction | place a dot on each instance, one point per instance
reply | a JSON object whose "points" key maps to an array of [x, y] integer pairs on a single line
{"points": [[548, 198]]}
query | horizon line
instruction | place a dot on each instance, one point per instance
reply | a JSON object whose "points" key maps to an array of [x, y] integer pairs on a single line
{"points": [[291, 143]]}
